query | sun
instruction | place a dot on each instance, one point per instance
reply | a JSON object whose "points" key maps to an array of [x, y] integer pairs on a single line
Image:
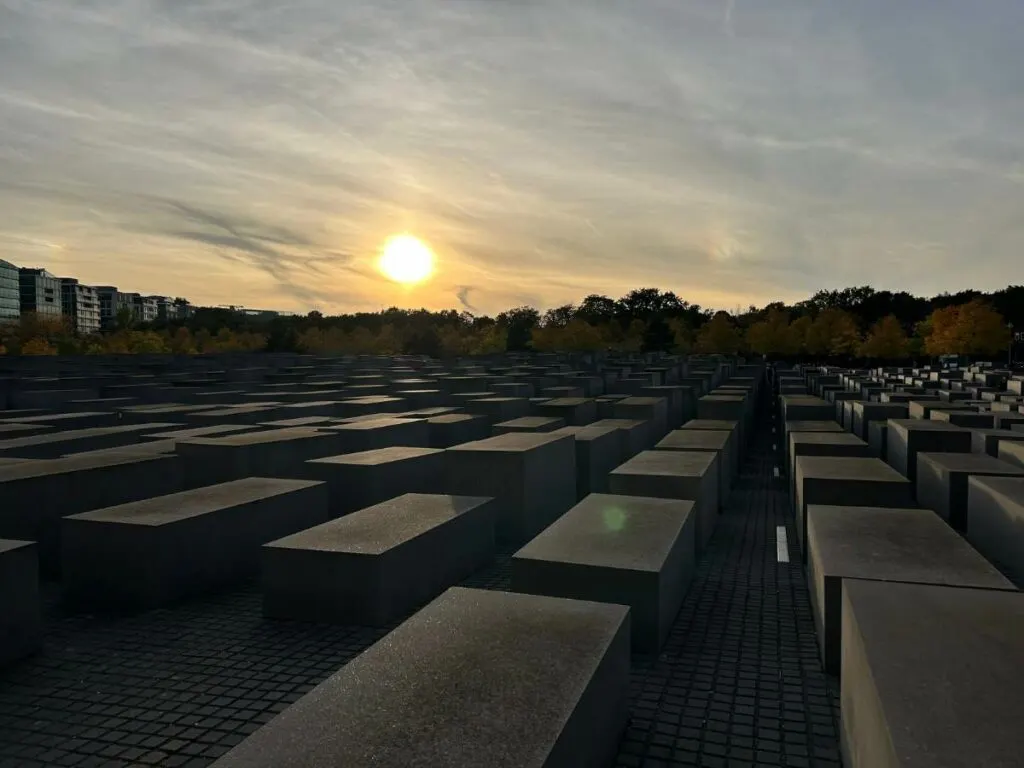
{"points": [[406, 259]]}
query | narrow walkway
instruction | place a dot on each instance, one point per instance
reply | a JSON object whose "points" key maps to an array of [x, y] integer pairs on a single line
{"points": [[738, 684]]}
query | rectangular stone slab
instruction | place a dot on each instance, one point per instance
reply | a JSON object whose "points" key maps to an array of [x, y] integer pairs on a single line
{"points": [[476, 678], [988, 440], [822, 444], [54, 444], [1012, 452], [650, 409], [358, 480], [598, 452], [574, 411], [942, 482], [635, 434], [907, 437], [849, 481], [35, 495], [688, 475], [154, 552], [905, 545], [964, 418], [532, 476], [628, 550], [20, 604], [529, 424], [995, 522], [865, 413], [450, 429], [378, 564], [723, 442], [806, 408], [932, 676]]}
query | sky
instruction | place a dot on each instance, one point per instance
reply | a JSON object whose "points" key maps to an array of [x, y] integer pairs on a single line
{"points": [[259, 152]]}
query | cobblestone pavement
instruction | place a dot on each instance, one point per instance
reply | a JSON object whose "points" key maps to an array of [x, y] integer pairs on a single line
{"points": [[737, 685]]}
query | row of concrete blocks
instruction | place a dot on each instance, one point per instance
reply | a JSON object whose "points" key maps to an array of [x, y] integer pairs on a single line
{"points": [[903, 604], [636, 551]]}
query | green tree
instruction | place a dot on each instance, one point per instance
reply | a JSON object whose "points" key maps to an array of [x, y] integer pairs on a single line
{"points": [[719, 336], [886, 340]]}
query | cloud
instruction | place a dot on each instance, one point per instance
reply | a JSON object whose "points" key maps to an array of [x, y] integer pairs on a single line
{"points": [[731, 153]]}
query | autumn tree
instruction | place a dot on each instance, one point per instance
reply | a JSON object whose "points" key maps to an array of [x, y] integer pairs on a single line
{"points": [[771, 336], [719, 335], [981, 330], [833, 332], [886, 340]]}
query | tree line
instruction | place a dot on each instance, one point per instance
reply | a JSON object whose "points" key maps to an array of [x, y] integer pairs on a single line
{"points": [[851, 323]]}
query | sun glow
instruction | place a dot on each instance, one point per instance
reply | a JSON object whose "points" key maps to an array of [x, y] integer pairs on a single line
{"points": [[406, 259]]}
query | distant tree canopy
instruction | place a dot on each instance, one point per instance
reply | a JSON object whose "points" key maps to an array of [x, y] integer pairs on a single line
{"points": [[853, 323]]}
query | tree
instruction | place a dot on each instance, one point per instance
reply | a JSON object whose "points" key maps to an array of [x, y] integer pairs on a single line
{"points": [[833, 332], [719, 335], [771, 336], [886, 340], [980, 330], [596, 310], [799, 330], [518, 324], [559, 317], [37, 347], [939, 332]]}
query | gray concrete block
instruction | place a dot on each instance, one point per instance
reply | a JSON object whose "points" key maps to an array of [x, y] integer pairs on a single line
{"points": [[965, 418], [932, 676], [358, 480], [574, 411], [906, 438], [846, 481], [154, 552], [532, 476], [529, 424], [451, 429], [687, 475], [598, 452], [628, 550], [724, 443], [651, 409], [384, 431], [1012, 452], [498, 409], [995, 522], [987, 441], [20, 605], [35, 495], [263, 453], [635, 434], [459, 684], [54, 444], [942, 482], [866, 413], [894, 545], [378, 564], [821, 444]]}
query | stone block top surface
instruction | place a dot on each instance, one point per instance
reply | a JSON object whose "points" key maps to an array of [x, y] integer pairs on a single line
{"points": [[727, 425], [633, 533], [1011, 489], [80, 462], [378, 456], [971, 463], [824, 438], [258, 437], [847, 468], [48, 438], [175, 507], [706, 439], [458, 684], [674, 463], [374, 530], [510, 442], [529, 422], [568, 402], [363, 425], [10, 545], [948, 667], [905, 426], [212, 429], [909, 545], [641, 401], [812, 426], [454, 418]]}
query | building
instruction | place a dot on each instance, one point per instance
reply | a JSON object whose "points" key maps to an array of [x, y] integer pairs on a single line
{"points": [[110, 300], [40, 293], [147, 308], [10, 293], [81, 305]]}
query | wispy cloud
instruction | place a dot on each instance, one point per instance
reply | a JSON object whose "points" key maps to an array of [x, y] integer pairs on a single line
{"points": [[733, 152]]}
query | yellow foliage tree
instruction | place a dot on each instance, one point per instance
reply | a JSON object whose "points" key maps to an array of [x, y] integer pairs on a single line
{"points": [[719, 336], [771, 336], [974, 328], [833, 332], [683, 335], [799, 330], [887, 340]]}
